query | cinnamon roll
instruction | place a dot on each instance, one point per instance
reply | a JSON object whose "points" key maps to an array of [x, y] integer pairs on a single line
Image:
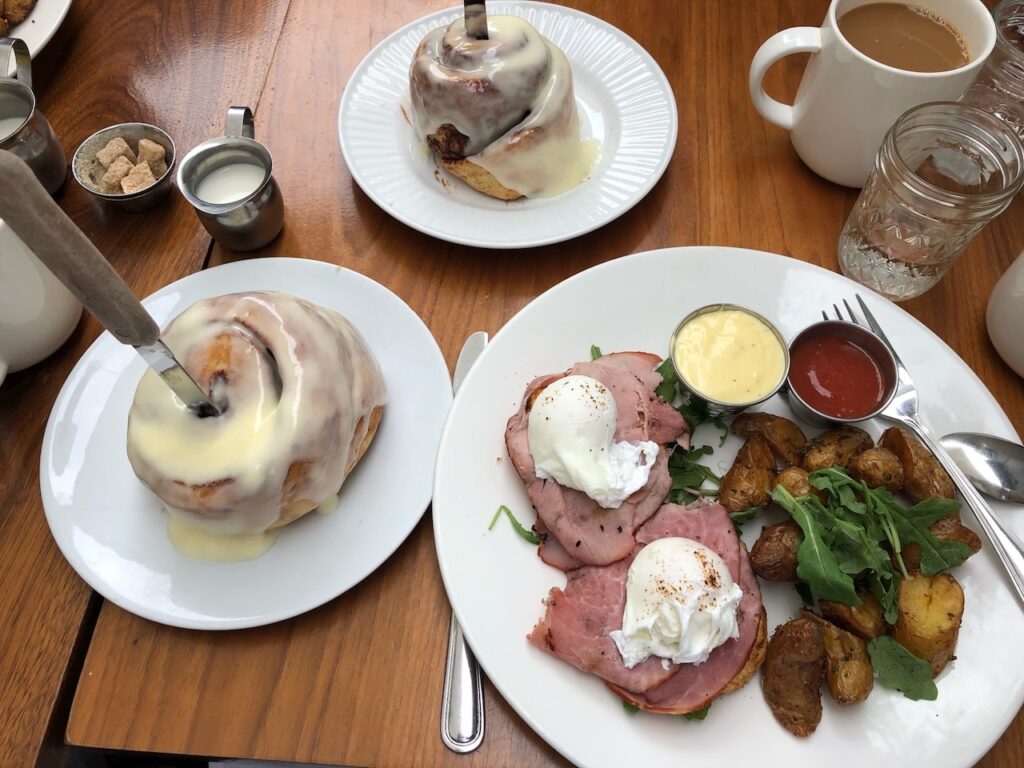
{"points": [[500, 113], [301, 396]]}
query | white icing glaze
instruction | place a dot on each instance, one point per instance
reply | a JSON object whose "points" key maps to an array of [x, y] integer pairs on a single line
{"points": [[299, 384], [511, 95]]}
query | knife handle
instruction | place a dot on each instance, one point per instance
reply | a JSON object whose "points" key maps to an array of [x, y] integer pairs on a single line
{"points": [[65, 250]]}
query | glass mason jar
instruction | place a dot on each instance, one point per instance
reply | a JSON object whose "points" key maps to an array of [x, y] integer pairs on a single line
{"points": [[999, 88], [944, 170]]}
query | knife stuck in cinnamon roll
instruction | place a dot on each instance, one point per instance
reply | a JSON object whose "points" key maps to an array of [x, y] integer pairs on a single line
{"points": [[500, 113], [301, 396]]}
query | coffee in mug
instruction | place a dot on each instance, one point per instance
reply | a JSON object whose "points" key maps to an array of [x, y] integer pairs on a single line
{"points": [[848, 99], [905, 37]]}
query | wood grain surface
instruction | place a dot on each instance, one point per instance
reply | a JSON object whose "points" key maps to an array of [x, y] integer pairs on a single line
{"points": [[357, 682], [162, 63]]}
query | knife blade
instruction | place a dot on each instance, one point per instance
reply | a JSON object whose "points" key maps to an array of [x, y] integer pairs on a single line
{"points": [[462, 699], [475, 12]]}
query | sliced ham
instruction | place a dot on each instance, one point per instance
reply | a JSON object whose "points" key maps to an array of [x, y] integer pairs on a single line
{"points": [[578, 619], [587, 533]]}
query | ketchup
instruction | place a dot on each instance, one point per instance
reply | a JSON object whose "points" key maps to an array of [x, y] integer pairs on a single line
{"points": [[836, 376]]}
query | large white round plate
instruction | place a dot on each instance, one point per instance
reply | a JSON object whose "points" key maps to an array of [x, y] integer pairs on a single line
{"points": [[38, 27], [624, 100], [496, 581], [112, 530]]}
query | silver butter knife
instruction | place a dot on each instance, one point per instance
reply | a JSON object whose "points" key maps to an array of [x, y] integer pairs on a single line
{"points": [[55, 240], [462, 702]]}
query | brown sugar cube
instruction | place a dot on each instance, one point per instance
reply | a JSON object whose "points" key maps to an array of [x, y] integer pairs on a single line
{"points": [[110, 184], [115, 148], [152, 154], [137, 179]]}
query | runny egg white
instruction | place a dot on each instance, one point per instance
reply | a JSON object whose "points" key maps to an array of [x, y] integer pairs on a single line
{"points": [[681, 604], [571, 432]]}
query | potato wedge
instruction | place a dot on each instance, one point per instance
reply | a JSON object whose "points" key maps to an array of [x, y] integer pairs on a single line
{"points": [[923, 476], [878, 467], [748, 481], [848, 671], [835, 447], [791, 675], [773, 556], [796, 481], [784, 436], [946, 529], [930, 610], [866, 620]]}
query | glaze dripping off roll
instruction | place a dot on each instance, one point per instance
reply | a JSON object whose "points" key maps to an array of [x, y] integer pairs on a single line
{"points": [[302, 396], [499, 113]]}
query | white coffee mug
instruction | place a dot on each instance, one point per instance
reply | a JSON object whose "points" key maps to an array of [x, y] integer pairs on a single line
{"points": [[846, 101], [1005, 316], [37, 313]]}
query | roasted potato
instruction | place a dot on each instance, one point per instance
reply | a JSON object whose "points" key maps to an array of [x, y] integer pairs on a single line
{"points": [[878, 467], [848, 671], [930, 610], [796, 481], [748, 481], [946, 529], [923, 476], [866, 620], [784, 436], [835, 447], [773, 556], [791, 675]]}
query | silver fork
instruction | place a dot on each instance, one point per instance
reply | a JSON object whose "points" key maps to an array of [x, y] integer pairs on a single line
{"points": [[904, 409]]}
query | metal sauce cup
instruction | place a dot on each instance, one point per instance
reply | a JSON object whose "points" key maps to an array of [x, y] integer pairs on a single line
{"points": [[248, 223], [877, 349], [716, 407], [33, 140]]}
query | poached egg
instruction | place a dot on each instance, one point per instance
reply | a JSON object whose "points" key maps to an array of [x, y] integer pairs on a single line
{"points": [[571, 432], [681, 604]]}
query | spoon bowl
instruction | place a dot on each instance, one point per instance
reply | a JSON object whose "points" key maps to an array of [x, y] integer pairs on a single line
{"points": [[994, 465]]}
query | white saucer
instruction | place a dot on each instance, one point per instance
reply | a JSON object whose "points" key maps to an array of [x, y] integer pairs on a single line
{"points": [[624, 101]]}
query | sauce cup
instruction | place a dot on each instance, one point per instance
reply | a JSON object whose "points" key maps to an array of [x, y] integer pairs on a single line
{"points": [[840, 373], [734, 349]]}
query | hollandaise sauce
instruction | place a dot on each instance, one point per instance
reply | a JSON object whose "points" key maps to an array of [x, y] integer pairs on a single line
{"points": [[729, 355]]}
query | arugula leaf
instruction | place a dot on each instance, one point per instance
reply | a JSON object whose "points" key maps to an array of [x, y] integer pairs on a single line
{"points": [[688, 475], [744, 516], [595, 352], [816, 564], [912, 525], [805, 593], [898, 668], [531, 536], [631, 709], [667, 389], [699, 714]]}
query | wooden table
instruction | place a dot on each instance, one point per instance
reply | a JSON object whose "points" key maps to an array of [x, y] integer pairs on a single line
{"points": [[310, 689]]}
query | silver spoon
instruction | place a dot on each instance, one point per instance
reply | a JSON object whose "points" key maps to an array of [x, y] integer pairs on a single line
{"points": [[994, 465], [67, 252]]}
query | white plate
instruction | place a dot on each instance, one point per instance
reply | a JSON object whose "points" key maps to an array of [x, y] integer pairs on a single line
{"points": [[39, 27], [496, 581], [112, 531], [624, 100]]}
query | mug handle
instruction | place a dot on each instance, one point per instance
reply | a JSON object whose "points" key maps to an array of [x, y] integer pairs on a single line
{"points": [[22, 60], [778, 46], [240, 123]]}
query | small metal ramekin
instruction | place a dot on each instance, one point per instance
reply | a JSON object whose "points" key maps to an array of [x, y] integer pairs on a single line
{"points": [[716, 407], [863, 338], [144, 199]]}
